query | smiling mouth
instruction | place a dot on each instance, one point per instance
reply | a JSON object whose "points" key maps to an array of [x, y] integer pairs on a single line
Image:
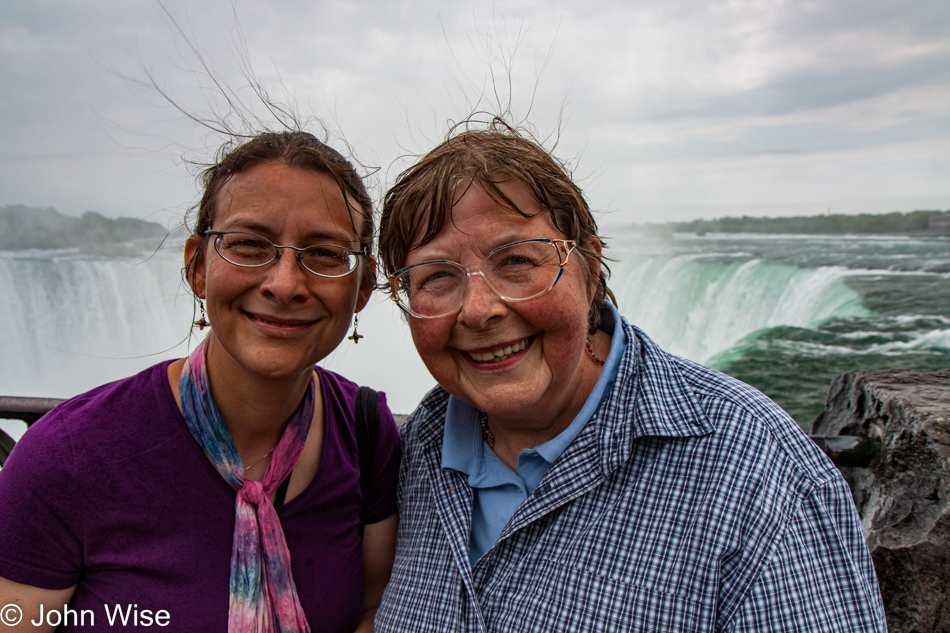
{"points": [[500, 354], [271, 321]]}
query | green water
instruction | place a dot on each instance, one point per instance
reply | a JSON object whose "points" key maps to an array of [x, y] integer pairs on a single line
{"points": [[787, 314]]}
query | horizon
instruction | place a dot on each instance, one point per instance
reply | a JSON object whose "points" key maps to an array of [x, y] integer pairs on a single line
{"points": [[601, 220]]}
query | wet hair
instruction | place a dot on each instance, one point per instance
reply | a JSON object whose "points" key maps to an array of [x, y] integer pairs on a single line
{"points": [[416, 208], [294, 149]]}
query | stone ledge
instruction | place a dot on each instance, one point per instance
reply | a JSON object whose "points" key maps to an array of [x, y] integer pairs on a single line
{"points": [[903, 495]]}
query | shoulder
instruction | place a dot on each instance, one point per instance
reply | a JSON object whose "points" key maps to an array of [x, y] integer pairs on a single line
{"points": [[747, 425], [340, 395], [128, 392], [338, 385], [750, 419], [785, 509], [343, 387], [106, 416], [71, 456], [342, 392], [425, 426]]}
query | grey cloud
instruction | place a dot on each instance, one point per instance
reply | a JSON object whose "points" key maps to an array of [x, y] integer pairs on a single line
{"points": [[659, 85]]}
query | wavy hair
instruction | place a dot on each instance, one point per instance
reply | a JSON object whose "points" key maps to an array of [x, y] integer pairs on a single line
{"points": [[416, 208]]}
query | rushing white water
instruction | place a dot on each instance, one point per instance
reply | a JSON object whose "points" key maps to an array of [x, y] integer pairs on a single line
{"points": [[69, 322], [699, 308]]}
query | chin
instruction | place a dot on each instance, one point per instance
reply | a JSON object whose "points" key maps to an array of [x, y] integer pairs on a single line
{"points": [[508, 400], [280, 365]]}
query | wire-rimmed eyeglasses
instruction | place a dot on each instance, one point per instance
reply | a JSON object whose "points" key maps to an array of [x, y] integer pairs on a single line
{"points": [[249, 250], [515, 272]]}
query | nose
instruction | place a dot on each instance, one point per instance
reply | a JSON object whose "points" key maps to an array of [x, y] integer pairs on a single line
{"points": [[285, 279], [480, 304]]}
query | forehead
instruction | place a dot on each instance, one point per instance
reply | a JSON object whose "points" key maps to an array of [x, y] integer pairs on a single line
{"points": [[480, 221], [278, 197]]}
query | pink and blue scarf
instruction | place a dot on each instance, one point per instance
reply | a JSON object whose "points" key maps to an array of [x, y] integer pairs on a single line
{"points": [[263, 595]]}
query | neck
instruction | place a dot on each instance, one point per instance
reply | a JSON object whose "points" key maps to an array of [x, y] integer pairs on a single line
{"points": [[255, 408], [511, 439], [519, 430]]}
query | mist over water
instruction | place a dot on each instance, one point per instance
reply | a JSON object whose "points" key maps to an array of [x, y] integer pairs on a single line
{"points": [[71, 322], [700, 308], [784, 313], [789, 313]]}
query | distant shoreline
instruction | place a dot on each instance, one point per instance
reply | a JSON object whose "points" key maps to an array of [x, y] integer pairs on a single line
{"points": [[25, 228], [914, 223]]}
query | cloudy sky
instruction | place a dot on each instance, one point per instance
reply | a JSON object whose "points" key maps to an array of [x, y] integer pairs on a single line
{"points": [[665, 109]]}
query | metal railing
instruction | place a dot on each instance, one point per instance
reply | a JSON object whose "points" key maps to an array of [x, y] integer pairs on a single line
{"points": [[846, 451], [27, 409]]}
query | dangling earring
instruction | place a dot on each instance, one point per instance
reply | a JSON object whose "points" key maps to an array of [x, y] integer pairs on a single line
{"points": [[355, 337], [202, 322]]}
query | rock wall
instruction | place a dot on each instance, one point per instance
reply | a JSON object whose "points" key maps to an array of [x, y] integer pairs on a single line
{"points": [[903, 496]]}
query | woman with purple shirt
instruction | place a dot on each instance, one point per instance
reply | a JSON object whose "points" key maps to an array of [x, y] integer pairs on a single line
{"points": [[151, 501]]}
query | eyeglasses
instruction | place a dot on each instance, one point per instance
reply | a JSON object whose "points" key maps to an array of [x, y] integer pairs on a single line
{"points": [[248, 250], [515, 272]]}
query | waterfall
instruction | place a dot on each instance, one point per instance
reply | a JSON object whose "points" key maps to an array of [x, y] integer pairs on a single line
{"points": [[697, 306], [70, 321]]}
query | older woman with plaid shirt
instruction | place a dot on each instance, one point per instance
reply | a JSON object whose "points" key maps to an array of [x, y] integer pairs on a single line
{"points": [[567, 474]]}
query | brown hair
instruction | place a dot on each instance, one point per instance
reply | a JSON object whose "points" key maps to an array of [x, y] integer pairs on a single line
{"points": [[416, 208], [294, 149]]}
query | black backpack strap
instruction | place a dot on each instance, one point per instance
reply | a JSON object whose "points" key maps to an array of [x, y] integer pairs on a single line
{"points": [[367, 433]]}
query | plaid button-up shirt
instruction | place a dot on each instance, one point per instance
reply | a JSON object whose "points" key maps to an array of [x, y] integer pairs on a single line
{"points": [[689, 502]]}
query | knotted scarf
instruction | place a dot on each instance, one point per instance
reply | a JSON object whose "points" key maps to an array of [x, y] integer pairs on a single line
{"points": [[263, 596]]}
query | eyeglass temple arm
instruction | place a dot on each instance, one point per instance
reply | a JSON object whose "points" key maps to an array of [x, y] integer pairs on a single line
{"points": [[393, 291], [568, 246]]}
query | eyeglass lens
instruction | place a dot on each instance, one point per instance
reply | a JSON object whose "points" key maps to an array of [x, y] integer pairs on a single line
{"points": [[250, 250], [516, 272]]}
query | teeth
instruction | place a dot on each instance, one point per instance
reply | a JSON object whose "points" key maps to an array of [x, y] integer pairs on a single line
{"points": [[499, 354]]}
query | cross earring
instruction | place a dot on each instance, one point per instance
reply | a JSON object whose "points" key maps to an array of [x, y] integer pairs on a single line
{"points": [[202, 322], [355, 337]]}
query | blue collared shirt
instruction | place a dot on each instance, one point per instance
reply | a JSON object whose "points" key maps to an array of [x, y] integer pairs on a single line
{"points": [[498, 491]]}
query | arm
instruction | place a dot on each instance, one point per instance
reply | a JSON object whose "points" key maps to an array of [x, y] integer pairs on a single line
{"points": [[17, 600], [379, 548], [819, 576], [40, 518]]}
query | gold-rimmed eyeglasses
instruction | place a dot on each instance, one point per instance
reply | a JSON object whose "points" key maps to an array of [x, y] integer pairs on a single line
{"points": [[249, 250], [515, 272]]}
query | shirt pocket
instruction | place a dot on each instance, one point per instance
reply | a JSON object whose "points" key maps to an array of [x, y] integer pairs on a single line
{"points": [[563, 598]]}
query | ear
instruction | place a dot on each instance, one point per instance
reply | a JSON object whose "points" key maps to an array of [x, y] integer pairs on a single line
{"points": [[367, 284], [194, 265]]}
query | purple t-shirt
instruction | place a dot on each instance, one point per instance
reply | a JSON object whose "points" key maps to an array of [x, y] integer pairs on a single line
{"points": [[110, 492]]}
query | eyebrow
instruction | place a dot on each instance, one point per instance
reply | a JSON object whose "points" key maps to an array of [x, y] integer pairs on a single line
{"points": [[441, 256], [313, 237]]}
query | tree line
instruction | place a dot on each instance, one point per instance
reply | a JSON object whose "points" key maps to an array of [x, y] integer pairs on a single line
{"points": [[896, 222]]}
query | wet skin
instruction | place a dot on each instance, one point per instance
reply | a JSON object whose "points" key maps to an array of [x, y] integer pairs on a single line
{"points": [[533, 391]]}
